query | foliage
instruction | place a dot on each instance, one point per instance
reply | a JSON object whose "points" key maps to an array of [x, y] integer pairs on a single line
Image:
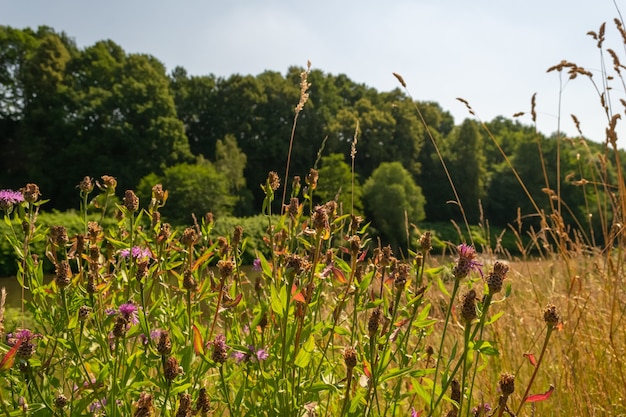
{"points": [[393, 201], [336, 183]]}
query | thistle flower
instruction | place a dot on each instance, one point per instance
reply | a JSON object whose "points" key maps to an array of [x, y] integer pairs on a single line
{"points": [[496, 277], [131, 201], [27, 347], [8, 198], [466, 262], [219, 349], [136, 252]]}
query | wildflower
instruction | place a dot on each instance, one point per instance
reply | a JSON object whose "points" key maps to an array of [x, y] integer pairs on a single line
{"points": [[425, 242], [93, 231], [355, 244], [219, 349], [355, 223], [237, 235], [25, 337], [311, 178], [142, 270], [294, 207], [256, 265], [8, 198], [127, 311], [109, 183], [466, 262], [31, 193], [481, 410], [252, 354], [165, 232], [131, 201], [158, 195], [136, 252], [495, 278], [401, 274], [320, 219]]}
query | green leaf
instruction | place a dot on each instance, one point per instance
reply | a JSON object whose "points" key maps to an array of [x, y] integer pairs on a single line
{"points": [[278, 301], [486, 348], [304, 354], [494, 318]]}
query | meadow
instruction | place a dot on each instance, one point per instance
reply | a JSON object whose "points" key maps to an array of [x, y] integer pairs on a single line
{"points": [[144, 319]]}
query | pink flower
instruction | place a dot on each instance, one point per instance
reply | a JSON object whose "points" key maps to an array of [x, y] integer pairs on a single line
{"points": [[8, 198], [136, 252], [466, 262]]}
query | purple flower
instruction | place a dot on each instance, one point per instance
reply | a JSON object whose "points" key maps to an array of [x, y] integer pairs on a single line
{"points": [[127, 310], [8, 198], [252, 354], [256, 265], [413, 412], [481, 410], [136, 252], [466, 262]]}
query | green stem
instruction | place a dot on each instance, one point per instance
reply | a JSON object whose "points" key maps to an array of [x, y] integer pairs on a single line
{"points": [[466, 341], [225, 390], [439, 353]]}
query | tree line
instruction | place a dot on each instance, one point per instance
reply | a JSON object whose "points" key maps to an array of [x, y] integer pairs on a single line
{"points": [[67, 112]]}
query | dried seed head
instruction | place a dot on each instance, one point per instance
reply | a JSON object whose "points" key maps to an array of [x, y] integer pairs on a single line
{"points": [[145, 407], [165, 232], [31, 193], [297, 263], [551, 315], [349, 358], [189, 237], [320, 219], [263, 322], [507, 384], [374, 322], [156, 218], [273, 180], [468, 307], [164, 347], [355, 223], [184, 405], [119, 329], [294, 207], [189, 282], [203, 405], [109, 183], [131, 201], [496, 277], [158, 194], [83, 313], [171, 368], [60, 401], [58, 235], [355, 245], [237, 235], [401, 275], [86, 185], [225, 266], [93, 231], [426, 242], [311, 178], [142, 269], [63, 274]]}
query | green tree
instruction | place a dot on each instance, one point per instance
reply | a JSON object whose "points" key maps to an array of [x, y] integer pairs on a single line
{"points": [[192, 188], [335, 182], [391, 196]]}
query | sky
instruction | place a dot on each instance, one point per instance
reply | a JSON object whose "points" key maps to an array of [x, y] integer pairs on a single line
{"points": [[492, 53]]}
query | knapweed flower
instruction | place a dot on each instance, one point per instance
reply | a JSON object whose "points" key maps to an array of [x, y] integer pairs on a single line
{"points": [[31, 193], [256, 265], [145, 406], [136, 252], [466, 262], [131, 201], [481, 410], [219, 349], [171, 369], [251, 355], [8, 198], [25, 337], [496, 277], [126, 317]]}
